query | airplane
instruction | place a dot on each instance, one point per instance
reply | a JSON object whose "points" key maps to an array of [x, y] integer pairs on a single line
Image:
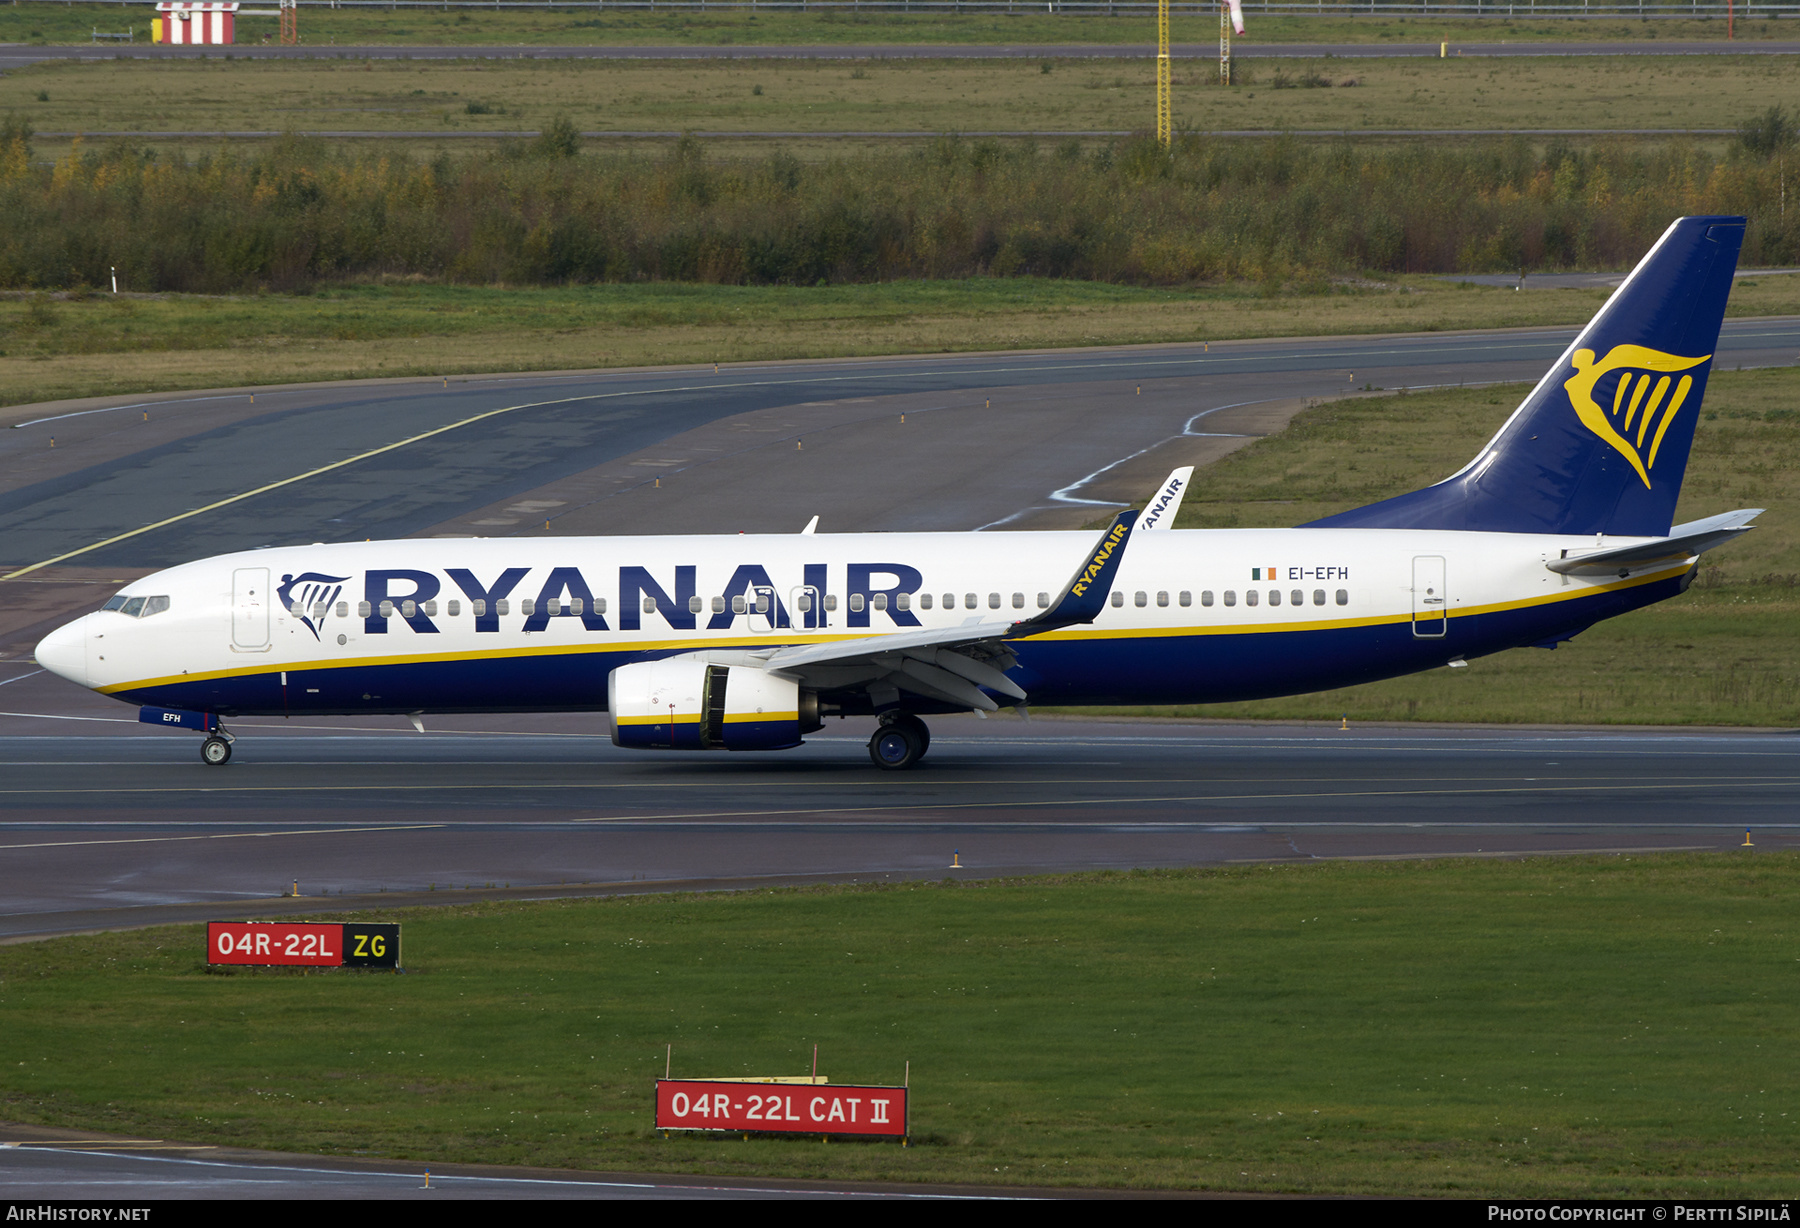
{"points": [[749, 643]]}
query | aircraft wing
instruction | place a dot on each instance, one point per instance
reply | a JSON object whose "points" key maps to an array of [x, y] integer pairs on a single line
{"points": [[953, 664], [1683, 542]]}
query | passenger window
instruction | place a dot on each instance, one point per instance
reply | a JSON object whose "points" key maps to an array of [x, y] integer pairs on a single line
{"points": [[116, 602], [737, 605], [1187, 598], [408, 609], [1230, 597], [1018, 601], [949, 601], [1043, 601], [528, 606], [362, 609], [1318, 596], [903, 601], [695, 605], [431, 609], [387, 609], [503, 606], [924, 601], [803, 603], [599, 605], [649, 605], [1206, 597], [1141, 599], [343, 609], [1250, 597], [830, 602], [718, 605], [1296, 598], [577, 606], [478, 608], [993, 601], [971, 601], [878, 601], [856, 602], [1162, 599], [454, 608], [1343, 596], [1118, 599], [1274, 596]]}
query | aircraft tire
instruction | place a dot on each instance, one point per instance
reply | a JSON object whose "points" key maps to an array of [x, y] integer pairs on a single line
{"points": [[897, 746], [215, 752], [913, 723]]}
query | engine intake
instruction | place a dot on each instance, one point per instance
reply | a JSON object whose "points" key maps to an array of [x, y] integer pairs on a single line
{"points": [[692, 705]]}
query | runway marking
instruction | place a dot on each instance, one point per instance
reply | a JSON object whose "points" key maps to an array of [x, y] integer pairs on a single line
{"points": [[82, 413], [1536, 786], [229, 835], [1222, 797], [34, 673]]}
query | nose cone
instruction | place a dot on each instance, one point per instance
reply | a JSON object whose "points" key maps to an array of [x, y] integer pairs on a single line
{"points": [[64, 652]]}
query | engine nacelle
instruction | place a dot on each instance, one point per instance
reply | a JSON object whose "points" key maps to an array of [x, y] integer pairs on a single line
{"points": [[691, 705]]}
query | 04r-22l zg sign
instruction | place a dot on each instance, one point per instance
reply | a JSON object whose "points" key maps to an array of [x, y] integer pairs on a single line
{"points": [[786, 1108], [304, 943]]}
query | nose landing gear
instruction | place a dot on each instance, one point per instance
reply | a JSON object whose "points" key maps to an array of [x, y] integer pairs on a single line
{"points": [[216, 750], [900, 742]]}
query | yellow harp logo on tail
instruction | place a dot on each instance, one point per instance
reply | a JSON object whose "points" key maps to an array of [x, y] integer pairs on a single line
{"points": [[1642, 408]]}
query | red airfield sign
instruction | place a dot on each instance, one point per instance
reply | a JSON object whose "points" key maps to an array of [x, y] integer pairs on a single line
{"points": [[790, 1108]]}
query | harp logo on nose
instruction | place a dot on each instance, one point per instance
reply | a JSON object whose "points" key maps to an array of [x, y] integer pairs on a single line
{"points": [[1642, 406], [308, 597]]}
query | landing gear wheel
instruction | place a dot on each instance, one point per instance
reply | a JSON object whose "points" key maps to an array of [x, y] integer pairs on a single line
{"points": [[913, 723], [215, 752], [898, 745]]}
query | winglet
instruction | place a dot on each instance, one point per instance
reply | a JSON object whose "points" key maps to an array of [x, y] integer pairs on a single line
{"points": [[812, 526], [1159, 513], [1084, 596]]}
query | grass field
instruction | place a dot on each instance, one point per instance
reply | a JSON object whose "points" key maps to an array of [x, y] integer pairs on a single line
{"points": [[1725, 653], [440, 100], [1577, 1026], [54, 347], [41, 23]]}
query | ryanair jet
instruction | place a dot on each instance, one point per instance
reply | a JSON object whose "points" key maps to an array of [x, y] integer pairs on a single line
{"points": [[752, 642]]}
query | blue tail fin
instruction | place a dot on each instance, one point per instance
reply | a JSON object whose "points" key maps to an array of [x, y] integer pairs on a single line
{"points": [[1601, 444]]}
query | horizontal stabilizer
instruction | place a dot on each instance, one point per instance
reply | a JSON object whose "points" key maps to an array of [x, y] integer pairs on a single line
{"points": [[1683, 543]]}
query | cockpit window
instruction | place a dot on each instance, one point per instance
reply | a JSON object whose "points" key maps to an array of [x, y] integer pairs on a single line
{"points": [[137, 607]]}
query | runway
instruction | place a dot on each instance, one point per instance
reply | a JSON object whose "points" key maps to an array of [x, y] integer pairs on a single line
{"points": [[107, 823]]}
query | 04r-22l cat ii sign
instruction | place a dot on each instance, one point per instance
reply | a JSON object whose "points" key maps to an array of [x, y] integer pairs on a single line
{"points": [[750, 642]]}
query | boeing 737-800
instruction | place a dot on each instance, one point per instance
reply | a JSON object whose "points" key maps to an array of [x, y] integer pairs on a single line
{"points": [[751, 642]]}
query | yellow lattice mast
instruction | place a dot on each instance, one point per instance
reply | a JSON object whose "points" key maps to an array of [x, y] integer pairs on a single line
{"points": [[1164, 123], [1224, 44]]}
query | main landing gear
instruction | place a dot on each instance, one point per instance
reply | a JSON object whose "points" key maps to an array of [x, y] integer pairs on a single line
{"points": [[216, 750], [900, 742]]}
